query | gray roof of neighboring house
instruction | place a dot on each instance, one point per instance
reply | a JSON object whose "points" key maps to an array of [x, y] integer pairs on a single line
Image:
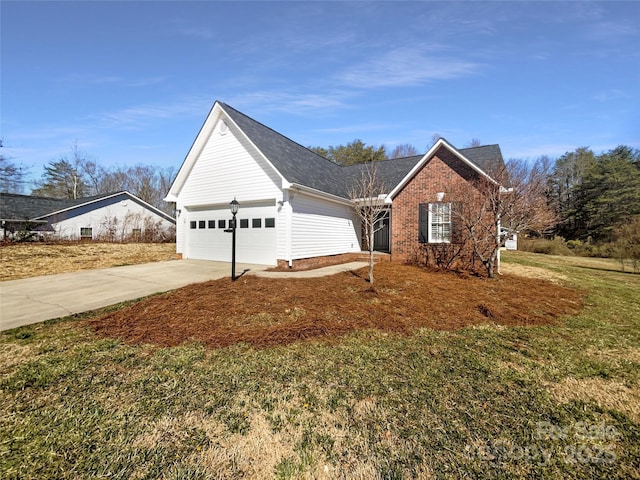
{"points": [[27, 207], [303, 166]]}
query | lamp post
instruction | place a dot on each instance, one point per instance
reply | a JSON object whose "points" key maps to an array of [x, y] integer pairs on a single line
{"points": [[234, 205]]}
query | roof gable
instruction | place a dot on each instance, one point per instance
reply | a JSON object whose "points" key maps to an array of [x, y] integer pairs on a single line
{"points": [[301, 166], [442, 143]]}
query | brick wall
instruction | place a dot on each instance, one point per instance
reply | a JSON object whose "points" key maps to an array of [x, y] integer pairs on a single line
{"points": [[444, 172], [319, 262]]}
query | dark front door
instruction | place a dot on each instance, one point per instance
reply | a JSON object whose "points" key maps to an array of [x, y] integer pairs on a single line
{"points": [[381, 234]]}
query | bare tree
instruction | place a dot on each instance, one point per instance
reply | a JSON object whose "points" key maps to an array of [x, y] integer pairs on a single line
{"points": [[513, 200], [11, 175], [474, 142], [367, 194], [403, 150]]}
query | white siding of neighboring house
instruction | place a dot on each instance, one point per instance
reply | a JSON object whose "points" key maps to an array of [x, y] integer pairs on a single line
{"points": [[322, 227], [120, 213], [228, 167]]}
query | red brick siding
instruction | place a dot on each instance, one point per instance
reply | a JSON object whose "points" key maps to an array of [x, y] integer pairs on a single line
{"points": [[444, 172]]}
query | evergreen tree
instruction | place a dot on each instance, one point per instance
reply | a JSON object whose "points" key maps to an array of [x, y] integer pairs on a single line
{"points": [[352, 153], [61, 179]]}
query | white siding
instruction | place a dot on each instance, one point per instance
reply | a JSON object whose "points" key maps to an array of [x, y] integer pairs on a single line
{"points": [[229, 167], [112, 219], [321, 227]]}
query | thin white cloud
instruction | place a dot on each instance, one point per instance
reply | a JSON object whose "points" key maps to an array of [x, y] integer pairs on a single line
{"points": [[613, 94], [302, 104], [356, 128], [114, 80], [140, 116], [203, 33], [407, 67]]}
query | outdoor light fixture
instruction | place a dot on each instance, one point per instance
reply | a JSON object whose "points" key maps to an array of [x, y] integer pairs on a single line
{"points": [[440, 196], [234, 206]]}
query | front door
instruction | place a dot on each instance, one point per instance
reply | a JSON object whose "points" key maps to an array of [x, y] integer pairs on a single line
{"points": [[381, 234]]}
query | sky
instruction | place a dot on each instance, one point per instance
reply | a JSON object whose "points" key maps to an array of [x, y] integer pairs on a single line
{"points": [[132, 82]]}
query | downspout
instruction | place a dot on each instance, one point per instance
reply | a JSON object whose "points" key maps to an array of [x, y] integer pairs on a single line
{"points": [[289, 229]]}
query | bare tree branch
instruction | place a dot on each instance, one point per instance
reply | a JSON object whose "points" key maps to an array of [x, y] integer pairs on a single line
{"points": [[367, 194]]}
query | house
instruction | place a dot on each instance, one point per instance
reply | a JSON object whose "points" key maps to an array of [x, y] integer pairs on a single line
{"points": [[294, 203], [111, 217]]}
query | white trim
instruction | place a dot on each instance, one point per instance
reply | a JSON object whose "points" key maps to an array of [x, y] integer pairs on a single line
{"points": [[294, 187], [430, 219], [427, 156]]}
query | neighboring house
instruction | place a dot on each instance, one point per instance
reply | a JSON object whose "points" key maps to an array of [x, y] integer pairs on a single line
{"points": [[110, 217], [511, 241], [294, 203]]}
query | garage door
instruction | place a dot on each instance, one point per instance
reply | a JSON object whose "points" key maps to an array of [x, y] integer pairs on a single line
{"points": [[206, 239]]}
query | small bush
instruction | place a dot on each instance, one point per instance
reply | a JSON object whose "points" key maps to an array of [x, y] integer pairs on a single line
{"points": [[627, 244], [557, 246]]}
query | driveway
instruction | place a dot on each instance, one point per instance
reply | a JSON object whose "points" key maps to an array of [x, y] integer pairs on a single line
{"points": [[33, 300]]}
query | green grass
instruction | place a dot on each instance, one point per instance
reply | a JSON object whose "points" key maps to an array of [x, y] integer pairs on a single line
{"points": [[493, 402]]}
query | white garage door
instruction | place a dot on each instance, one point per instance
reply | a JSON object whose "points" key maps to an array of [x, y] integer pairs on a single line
{"points": [[206, 239]]}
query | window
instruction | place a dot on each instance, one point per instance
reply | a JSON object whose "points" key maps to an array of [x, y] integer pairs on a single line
{"points": [[136, 232], [212, 224], [244, 223], [256, 223], [201, 224], [269, 223], [222, 224], [435, 223], [86, 232], [192, 224]]}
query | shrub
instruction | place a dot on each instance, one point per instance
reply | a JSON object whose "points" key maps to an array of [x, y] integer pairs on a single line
{"points": [[627, 244], [556, 246]]}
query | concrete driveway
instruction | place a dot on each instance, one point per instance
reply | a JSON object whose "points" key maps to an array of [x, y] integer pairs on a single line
{"points": [[33, 300]]}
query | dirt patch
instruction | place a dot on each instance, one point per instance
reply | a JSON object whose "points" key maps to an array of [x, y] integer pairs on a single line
{"points": [[34, 259], [265, 312], [531, 272]]}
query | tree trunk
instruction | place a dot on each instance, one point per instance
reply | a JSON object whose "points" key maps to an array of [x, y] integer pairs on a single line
{"points": [[371, 254]]}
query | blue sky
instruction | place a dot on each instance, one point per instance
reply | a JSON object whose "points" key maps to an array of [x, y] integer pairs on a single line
{"points": [[132, 82]]}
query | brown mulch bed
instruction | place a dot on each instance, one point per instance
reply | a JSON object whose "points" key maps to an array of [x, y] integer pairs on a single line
{"points": [[265, 312]]}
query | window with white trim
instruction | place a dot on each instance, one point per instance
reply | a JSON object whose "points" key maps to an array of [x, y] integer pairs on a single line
{"points": [[86, 232], [435, 223]]}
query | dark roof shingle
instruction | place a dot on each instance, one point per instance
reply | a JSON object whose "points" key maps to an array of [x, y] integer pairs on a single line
{"points": [[303, 166], [27, 207], [296, 163]]}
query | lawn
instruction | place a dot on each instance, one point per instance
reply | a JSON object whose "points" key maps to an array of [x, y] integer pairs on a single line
{"points": [[31, 259], [492, 392]]}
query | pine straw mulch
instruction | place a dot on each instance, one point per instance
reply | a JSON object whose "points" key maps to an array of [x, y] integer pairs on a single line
{"points": [[266, 312]]}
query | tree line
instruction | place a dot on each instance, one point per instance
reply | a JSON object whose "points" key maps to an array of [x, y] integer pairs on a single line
{"points": [[592, 196], [77, 176]]}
